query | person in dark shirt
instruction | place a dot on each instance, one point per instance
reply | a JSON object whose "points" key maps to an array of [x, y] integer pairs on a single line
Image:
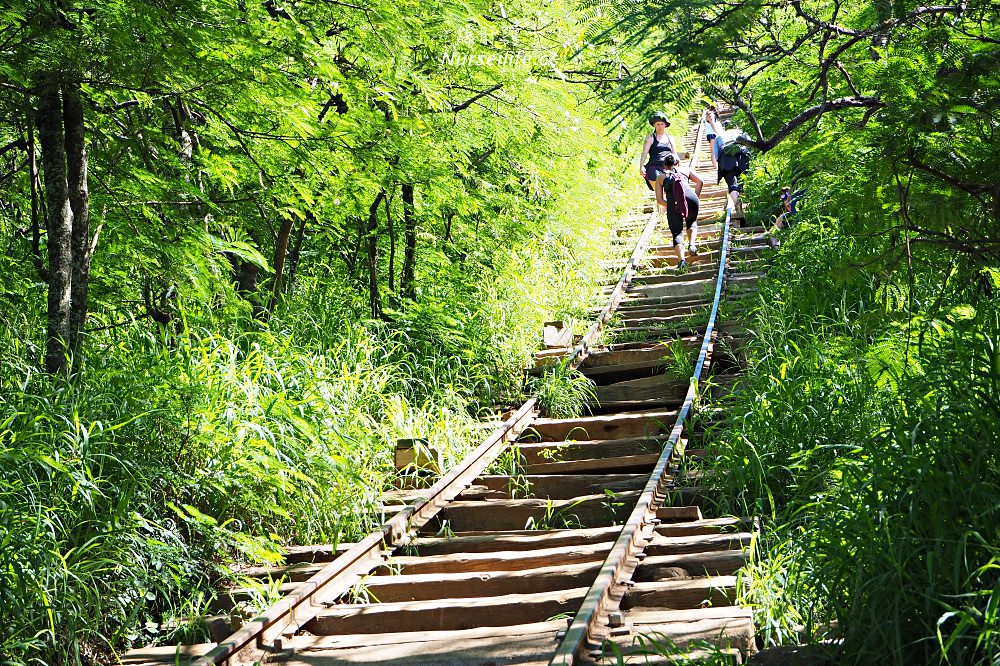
{"points": [[788, 201], [657, 146], [681, 201], [730, 162]]}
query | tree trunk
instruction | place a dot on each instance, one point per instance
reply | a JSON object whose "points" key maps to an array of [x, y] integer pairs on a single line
{"points": [[280, 252], [390, 228], [373, 296], [293, 257], [34, 186], [410, 250], [79, 199], [60, 227]]}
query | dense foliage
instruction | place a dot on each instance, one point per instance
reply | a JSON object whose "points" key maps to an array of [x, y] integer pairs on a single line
{"points": [[247, 246], [869, 446]]}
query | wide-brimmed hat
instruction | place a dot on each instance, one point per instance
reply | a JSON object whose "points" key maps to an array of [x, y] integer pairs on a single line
{"points": [[659, 116]]}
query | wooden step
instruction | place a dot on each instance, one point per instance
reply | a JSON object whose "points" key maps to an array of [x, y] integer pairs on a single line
{"points": [[670, 545], [511, 514], [515, 560], [707, 526], [477, 584], [616, 426], [723, 625], [606, 465], [681, 594], [565, 486], [510, 540], [446, 614], [562, 451], [524, 645], [691, 565]]}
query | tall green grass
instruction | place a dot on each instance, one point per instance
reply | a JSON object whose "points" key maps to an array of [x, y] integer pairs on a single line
{"points": [[864, 434], [127, 492]]}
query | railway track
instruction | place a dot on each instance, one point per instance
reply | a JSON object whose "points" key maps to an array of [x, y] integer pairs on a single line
{"points": [[593, 547]]}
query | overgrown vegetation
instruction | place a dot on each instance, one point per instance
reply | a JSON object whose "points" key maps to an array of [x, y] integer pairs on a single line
{"points": [[871, 450], [247, 247], [865, 429]]}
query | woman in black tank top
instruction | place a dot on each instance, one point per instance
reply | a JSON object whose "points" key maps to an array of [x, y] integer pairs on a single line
{"points": [[657, 146]]}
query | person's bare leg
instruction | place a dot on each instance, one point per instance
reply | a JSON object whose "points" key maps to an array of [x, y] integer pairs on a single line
{"points": [[679, 248], [661, 204], [693, 235]]}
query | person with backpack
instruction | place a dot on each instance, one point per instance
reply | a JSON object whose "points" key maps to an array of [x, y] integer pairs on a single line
{"points": [[657, 146], [681, 201], [788, 202], [732, 159]]}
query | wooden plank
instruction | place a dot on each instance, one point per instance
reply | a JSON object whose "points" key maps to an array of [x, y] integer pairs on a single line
{"points": [[690, 565], [680, 290], [678, 514], [645, 388], [445, 614], [651, 319], [649, 352], [663, 545], [585, 511], [514, 560], [423, 587], [168, 654], [567, 486], [707, 526], [618, 426], [524, 645], [637, 463], [724, 625], [665, 300], [511, 540], [680, 594], [562, 451], [661, 310], [612, 406]]}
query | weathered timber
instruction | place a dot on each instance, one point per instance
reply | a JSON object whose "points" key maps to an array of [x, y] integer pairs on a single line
{"points": [[653, 422], [512, 514], [707, 526], [525, 645], [445, 614], [555, 486], [680, 594], [663, 387], [423, 587], [511, 540], [663, 545], [725, 625], [562, 451], [712, 563], [495, 560], [637, 463]]}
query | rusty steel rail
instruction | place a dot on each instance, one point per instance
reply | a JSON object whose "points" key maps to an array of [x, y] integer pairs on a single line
{"points": [[582, 636], [263, 634]]}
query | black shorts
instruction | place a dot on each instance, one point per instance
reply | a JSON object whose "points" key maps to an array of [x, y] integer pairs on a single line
{"points": [[675, 221], [732, 178], [653, 172]]}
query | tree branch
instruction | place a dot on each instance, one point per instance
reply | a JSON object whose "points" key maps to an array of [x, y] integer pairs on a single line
{"points": [[813, 112], [455, 108]]}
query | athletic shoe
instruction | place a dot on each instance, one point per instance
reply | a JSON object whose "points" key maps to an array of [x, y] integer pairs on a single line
{"points": [[682, 267], [693, 249]]}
